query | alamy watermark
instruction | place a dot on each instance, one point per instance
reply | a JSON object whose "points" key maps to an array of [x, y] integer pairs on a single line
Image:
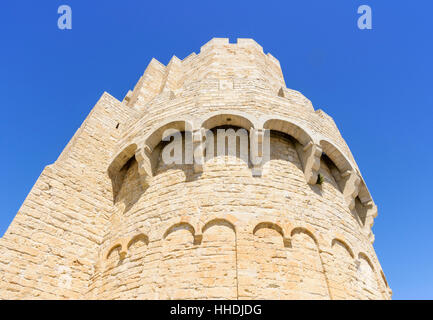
{"points": [[365, 21], [199, 146], [64, 22]]}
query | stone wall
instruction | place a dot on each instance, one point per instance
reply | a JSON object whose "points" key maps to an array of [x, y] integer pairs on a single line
{"points": [[50, 249]]}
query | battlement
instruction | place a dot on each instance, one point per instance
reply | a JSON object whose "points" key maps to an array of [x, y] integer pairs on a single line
{"points": [[215, 61], [225, 43]]}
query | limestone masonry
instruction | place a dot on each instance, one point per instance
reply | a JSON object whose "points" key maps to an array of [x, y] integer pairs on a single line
{"points": [[110, 220]]}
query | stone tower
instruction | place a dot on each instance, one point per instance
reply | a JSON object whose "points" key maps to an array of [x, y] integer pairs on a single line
{"points": [[110, 220]]}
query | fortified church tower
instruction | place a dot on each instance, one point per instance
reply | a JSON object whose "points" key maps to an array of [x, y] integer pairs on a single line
{"points": [[111, 220]]}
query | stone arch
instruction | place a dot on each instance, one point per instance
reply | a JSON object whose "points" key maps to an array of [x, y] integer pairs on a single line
{"points": [[112, 268], [131, 189], [156, 135], [305, 230], [289, 127], [179, 262], [244, 128], [285, 157], [342, 271], [124, 170], [321, 240], [362, 255], [236, 142], [366, 210], [364, 194], [307, 150], [177, 226], [116, 165], [352, 186], [138, 237], [273, 226], [337, 157], [112, 249], [151, 145], [265, 267], [306, 266], [121, 158], [344, 244], [189, 223], [342, 172], [215, 221], [204, 220], [137, 266], [239, 126], [217, 270], [367, 278], [228, 117]]}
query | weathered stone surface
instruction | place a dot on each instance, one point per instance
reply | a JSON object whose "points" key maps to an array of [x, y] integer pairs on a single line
{"points": [[110, 220]]}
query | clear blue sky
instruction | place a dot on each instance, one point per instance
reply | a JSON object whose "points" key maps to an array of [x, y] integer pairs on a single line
{"points": [[376, 84]]}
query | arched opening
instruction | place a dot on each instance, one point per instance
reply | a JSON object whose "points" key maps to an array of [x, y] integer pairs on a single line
{"points": [[342, 271], [138, 239], [131, 187], [179, 226], [217, 271], [228, 119], [288, 128], [337, 157], [169, 147], [161, 132], [116, 170], [269, 225], [227, 142], [228, 137], [307, 266], [285, 147], [334, 175], [179, 263], [307, 151], [368, 282], [268, 266], [340, 173]]}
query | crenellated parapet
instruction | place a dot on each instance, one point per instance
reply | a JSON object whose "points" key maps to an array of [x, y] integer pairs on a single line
{"points": [[149, 85], [213, 62]]}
